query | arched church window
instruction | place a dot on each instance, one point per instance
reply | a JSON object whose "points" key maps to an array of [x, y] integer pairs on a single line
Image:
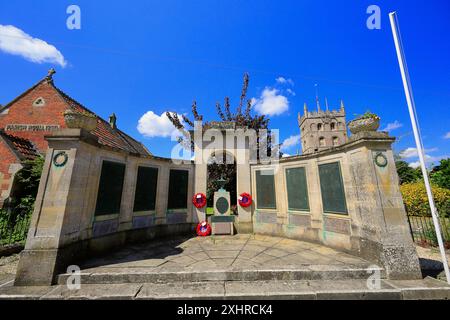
{"points": [[322, 142], [333, 126], [335, 141], [319, 127]]}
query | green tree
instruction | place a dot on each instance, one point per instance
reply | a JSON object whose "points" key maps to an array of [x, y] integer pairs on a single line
{"points": [[405, 173], [440, 175], [242, 117]]}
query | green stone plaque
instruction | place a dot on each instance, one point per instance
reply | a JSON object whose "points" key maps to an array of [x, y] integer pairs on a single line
{"points": [[265, 189], [218, 219], [110, 189], [178, 189], [332, 188], [297, 189], [145, 194], [222, 205]]}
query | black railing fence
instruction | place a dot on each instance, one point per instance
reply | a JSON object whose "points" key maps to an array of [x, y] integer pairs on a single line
{"points": [[14, 225], [423, 232]]}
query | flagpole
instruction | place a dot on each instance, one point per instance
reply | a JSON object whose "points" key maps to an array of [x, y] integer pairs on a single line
{"points": [[412, 113]]}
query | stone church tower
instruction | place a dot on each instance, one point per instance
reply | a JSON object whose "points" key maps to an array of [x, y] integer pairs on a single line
{"points": [[320, 130]]}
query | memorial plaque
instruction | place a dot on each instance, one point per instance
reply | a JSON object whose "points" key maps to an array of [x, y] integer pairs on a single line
{"points": [[176, 217], [222, 219], [178, 189], [265, 189], [222, 205], [143, 222], [332, 188], [102, 228], [110, 189], [146, 185], [300, 220], [337, 225], [266, 217], [297, 189]]}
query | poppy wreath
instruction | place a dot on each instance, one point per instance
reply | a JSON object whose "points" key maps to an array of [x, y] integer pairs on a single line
{"points": [[199, 200], [245, 200], [203, 229]]}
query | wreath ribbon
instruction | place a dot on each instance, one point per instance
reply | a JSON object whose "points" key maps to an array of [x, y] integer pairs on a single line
{"points": [[245, 200], [199, 200]]}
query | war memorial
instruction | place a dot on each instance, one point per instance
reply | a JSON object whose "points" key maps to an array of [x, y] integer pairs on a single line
{"points": [[127, 220]]}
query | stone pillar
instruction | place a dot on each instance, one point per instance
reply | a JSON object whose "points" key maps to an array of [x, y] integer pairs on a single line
{"points": [[200, 181], [384, 234], [161, 194], [243, 184], [56, 220], [126, 206]]}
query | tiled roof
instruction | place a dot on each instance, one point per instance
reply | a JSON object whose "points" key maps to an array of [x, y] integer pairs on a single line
{"points": [[22, 148], [107, 135]]}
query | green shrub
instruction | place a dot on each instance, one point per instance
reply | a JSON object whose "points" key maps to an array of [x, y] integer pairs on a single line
{"points": [[416, 200]]}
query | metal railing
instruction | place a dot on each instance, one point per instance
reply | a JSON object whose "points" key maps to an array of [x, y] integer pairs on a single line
{"points": [[423, 232]]}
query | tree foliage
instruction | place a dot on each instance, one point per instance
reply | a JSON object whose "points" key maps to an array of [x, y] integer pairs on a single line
{"points": [[242, 116], [440, 175], [406, 174]]}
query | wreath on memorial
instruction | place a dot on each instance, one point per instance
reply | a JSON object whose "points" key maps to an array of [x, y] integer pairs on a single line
{"points": [[203, 229], [199, 200], [60, 159], [245, 200], [381, 160]]}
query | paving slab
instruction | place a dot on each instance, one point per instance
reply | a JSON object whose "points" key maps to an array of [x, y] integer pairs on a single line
{"points": [[195, 290], [296, 290], [24, 293], [250, 257], [426, 289], [94, 291]]}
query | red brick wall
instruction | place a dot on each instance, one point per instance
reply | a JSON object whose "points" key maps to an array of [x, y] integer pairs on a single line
{"points": [[7, 157], [23, 112]]}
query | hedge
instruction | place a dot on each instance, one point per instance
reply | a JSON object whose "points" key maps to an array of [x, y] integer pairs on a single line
{"points": [[416, 200]]}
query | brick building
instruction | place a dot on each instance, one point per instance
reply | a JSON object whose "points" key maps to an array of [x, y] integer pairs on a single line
{"points": [[25, 121]]}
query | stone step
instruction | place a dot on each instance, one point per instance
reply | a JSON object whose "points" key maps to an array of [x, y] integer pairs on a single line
{"points": [[312, 272], [427, 288]]}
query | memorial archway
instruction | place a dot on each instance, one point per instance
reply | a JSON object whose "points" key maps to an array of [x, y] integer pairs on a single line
{"points": [[222, 165], [224, 141]]}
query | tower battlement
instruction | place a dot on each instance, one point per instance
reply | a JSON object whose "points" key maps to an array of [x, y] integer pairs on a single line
{"points": [[322, 129]]}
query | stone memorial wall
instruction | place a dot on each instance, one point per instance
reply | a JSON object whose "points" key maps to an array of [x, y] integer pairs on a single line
{"points": [[94, 198]]}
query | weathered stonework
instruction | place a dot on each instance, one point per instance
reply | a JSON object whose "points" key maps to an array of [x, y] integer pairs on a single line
{"points": [[65, 230], [375, 226]]}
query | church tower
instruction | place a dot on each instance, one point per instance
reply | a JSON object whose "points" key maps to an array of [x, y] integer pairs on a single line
{"points": [[320, 130]]}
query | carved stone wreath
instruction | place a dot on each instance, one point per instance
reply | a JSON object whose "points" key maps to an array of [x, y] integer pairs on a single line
{"points": [[380, 160], [60, 159]]}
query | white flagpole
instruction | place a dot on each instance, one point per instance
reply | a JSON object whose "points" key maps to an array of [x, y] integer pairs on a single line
{"points": [[412, 113]]}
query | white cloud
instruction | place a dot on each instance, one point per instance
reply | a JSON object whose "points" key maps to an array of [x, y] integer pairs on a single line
{"points": [[15, 41], [392, 126], [412, 152], [428, 160], [447, 135], [289, 142], [282, 80], [152, 125], [271, 102], [285, 155], [291, 92]]}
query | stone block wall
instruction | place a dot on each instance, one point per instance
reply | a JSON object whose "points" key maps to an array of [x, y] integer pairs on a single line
{"points": [[64, 228], [375, 225]]}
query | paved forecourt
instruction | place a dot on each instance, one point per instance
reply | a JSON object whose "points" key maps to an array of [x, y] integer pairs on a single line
{"points": [[228, 258]]}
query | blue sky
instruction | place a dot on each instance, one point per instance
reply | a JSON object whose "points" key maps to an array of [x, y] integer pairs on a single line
{"points": [[135, 57]]}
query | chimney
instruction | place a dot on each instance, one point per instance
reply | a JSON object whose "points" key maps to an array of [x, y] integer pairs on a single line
{"points": [[112, 121]]}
